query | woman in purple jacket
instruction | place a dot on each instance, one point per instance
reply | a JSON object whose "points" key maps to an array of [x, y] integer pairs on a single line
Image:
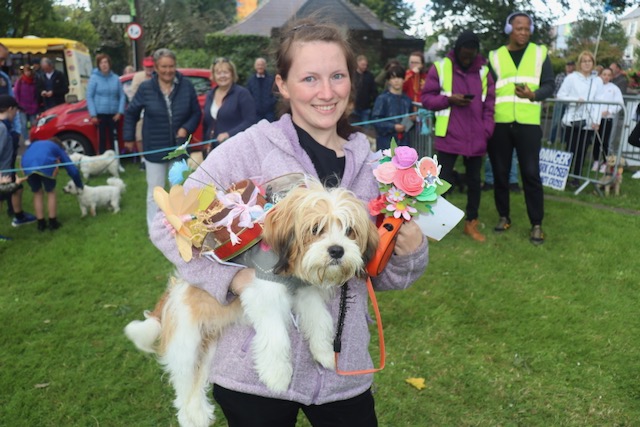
{"points": [[315, 67], [462, 93], [26, 93]]}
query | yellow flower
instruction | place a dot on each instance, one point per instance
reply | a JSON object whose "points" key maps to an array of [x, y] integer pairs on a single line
{"points": [[179, 209]]}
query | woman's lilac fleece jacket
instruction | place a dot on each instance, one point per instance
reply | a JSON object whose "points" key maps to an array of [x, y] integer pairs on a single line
{"points": [[263, 152]]}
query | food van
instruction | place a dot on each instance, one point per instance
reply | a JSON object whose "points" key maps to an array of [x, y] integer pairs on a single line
{"points": [[69, 56]]}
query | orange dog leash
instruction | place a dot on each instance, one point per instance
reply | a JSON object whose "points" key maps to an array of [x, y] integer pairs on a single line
{"points": [[388, 233]]}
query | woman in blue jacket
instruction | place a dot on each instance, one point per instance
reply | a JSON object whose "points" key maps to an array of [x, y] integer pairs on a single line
{"points": [[229, 108], [105, 100], [171, 114]]}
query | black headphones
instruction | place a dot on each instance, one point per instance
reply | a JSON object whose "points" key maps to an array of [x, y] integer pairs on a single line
{"points": [[508, 28]]}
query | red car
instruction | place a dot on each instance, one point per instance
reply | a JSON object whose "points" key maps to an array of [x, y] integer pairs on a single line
{"points": [[72, 125]]}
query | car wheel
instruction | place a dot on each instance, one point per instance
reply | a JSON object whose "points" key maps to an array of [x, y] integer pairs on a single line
{"points": [[76, 143]]}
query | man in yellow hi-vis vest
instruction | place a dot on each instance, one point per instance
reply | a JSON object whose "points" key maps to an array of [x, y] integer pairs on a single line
{"points": [[461, 92], [524, 78]]}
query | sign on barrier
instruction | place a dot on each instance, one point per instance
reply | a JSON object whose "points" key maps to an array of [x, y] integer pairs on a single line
{"points": [[554, 167]]}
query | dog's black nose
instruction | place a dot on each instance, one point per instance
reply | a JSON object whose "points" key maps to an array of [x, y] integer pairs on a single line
{"points": [[336, 251]]}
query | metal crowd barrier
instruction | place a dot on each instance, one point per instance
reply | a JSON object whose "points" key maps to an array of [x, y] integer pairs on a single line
{"points": [[590, 148], [630, 153]]}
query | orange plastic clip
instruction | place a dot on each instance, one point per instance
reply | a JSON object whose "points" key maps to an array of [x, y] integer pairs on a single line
{"points": [[388, 232]]}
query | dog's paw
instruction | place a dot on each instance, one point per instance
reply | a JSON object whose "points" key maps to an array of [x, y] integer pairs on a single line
{"points": [[196, 414], [326, 358], [278, 377]]}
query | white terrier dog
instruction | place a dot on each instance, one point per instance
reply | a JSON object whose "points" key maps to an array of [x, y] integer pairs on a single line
{"points": [[319, 239], [90, 197], [96, 165]]}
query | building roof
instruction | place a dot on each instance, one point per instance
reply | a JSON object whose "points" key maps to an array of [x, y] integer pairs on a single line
{"points": [[634, 14], [275, 13]]}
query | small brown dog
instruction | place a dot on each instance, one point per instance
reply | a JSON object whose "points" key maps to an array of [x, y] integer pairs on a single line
{"points": [[612, 175]]}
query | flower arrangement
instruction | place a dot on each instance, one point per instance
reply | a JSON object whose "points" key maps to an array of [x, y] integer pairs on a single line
{"points": [[225, 221], [408, 185]]}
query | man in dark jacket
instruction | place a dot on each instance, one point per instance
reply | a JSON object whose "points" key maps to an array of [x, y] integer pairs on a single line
{"points": [[52, 85], [260, 85], [366, 91], [171, 114]]}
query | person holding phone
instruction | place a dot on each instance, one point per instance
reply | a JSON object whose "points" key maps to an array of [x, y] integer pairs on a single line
{"points": [[517, 116], [461, 91]]}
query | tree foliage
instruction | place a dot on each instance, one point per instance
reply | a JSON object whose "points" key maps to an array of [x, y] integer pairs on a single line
{"points": [[584, 36], [21, 18], [487, 19], [394, 12]]}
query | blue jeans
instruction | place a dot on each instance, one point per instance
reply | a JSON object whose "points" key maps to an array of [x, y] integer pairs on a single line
{"points": [[513, 172]]}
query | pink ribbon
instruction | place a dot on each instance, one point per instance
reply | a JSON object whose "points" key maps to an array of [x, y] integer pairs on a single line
{"points": [[239, 209]]}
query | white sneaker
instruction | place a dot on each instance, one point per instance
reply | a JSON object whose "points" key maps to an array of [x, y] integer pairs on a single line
{"points": [[636, 175], [595, 166], [603, 168]]}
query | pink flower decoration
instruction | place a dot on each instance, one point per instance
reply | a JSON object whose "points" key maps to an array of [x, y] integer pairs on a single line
{"points": [[404, 157], [402, 209], [376, 205], [385, 173], [409, 181]]}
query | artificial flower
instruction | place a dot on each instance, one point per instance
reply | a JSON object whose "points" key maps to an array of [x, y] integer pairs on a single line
{"points": [[377, 205], [409, 181], [404, 157], [385, 172], [395, 195], [179, 172], [179, 209], [408, 185], [402, 209]]}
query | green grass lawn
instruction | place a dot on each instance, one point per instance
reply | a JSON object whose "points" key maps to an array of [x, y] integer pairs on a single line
{"points": [[505, 333]]}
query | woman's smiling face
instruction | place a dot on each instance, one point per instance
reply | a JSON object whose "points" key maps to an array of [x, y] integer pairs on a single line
{"points": [[317, 85]]}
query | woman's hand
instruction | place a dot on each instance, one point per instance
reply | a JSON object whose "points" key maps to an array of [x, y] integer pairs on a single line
{"points": [[241, 280], [116, 117], [95, 121], [223, 137], [409, 238], [182, 133], [129, 146]]}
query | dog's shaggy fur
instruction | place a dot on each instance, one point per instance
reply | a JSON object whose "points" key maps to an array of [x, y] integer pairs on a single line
{"points": [[321, 237], [612, 175], [90, 197], [89, 166]]}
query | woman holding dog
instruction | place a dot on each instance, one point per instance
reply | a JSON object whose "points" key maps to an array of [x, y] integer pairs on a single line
{"points": [[315, 68], [171, 114]]}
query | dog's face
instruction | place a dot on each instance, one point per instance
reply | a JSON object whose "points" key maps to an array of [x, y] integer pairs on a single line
{"points": [[76, 157], [71, 188], [324, 237]]}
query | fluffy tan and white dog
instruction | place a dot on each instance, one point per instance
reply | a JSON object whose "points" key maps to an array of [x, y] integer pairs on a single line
{"points": [[321, 238], [90, 197], [95, 165]]}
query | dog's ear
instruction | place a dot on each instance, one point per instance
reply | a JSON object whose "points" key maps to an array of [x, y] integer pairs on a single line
{"points": [[278, 233]]}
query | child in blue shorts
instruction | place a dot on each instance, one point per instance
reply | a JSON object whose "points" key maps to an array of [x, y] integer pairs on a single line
{"points": [[39, 163]]}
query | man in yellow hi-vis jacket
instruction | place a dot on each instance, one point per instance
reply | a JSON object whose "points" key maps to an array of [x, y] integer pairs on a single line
{"points": [[524, 78]]}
